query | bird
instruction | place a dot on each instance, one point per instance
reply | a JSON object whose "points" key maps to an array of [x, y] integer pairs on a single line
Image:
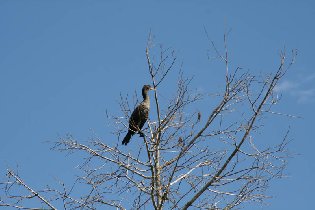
{"points": [[139, 116], [180, 142], [198, 116]]}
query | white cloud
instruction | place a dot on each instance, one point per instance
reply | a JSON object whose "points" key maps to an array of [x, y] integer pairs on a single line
{"points": [[304, 96], [303, 90], [286, 85]]}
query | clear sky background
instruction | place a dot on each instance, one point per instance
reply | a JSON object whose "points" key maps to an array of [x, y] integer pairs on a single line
{"points": [[64, 63]]}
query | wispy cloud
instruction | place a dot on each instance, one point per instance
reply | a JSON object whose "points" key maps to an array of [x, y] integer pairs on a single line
{"points": [[304, 96], [286, 86], [302, 88]]}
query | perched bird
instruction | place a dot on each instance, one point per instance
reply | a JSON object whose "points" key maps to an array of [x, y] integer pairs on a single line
{"points": [[180, 142], [139, 116]]}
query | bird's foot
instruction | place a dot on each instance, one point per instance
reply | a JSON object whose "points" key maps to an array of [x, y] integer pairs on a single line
{"points": [[141, 134]]}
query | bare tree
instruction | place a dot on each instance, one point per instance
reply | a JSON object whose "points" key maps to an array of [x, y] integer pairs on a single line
{"points": [[188, 157]]}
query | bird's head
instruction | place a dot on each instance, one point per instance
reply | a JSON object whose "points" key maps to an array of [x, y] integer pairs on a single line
{"points": [[146, 89]]}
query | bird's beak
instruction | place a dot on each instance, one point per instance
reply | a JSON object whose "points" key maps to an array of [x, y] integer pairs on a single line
{"points": [[152, 88]]}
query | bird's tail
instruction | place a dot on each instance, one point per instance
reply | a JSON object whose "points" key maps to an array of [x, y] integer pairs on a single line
{"points": [[127, 138]]}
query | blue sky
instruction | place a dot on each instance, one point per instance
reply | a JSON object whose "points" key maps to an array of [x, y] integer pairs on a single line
{"points": [[64, 63]]}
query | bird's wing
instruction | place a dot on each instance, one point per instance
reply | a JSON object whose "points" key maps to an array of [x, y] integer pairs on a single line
{"points": [[134, 120], [144, 116]]}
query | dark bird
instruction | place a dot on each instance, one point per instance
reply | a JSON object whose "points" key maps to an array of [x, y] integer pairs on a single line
{"points": [[180, 142], [198, 117], [139, 116]]}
